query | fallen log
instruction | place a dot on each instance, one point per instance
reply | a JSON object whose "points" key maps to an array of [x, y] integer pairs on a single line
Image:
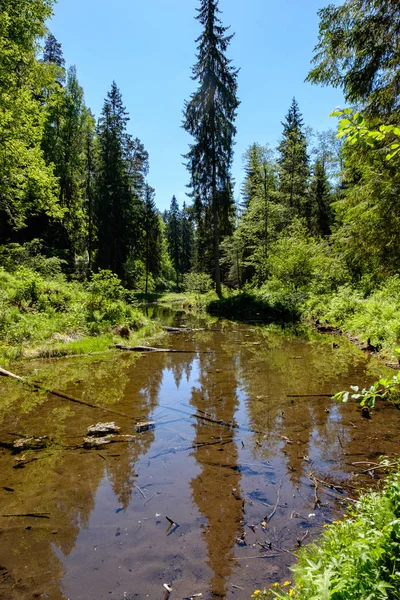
{"points": [[151, 349], [37, 386], [180, 329]]}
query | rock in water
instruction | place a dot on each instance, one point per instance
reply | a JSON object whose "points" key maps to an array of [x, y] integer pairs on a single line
{"points": [[145, 426], [102, 429]]}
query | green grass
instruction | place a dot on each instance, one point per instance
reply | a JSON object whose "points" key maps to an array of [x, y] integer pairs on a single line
{"points": [[375, 315], [48, 316], [355, 559]]}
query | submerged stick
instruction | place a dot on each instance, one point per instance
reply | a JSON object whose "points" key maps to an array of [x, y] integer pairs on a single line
{"points": [[151, 349], [37, 386], [269, 517], [34, 515], [309, 395]]}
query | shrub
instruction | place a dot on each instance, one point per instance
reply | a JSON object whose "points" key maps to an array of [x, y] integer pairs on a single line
{"points": [[200, 283]]}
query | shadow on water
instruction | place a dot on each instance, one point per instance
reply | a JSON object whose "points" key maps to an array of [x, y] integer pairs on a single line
{"points": [[241, 422]]}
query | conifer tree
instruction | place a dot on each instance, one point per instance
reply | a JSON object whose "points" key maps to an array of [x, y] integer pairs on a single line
{"points": [[187, 240], [320, 193], [209, 117], [293, 163], [113, 193], [53, 51], [174, 237], [89, 153], [152, 236]]}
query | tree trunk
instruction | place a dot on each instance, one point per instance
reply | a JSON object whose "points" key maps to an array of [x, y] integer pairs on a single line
{"points": [[215, 205]]}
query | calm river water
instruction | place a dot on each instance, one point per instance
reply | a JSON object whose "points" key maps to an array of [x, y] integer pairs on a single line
{"points": [[243, 419]]}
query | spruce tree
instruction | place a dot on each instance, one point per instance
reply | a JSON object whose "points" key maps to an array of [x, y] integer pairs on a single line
{"points": [[113, 193], [209, 117], [174, 237], [52, 52], [152, 236], [187, 240], [320, 193], [294, 163]]}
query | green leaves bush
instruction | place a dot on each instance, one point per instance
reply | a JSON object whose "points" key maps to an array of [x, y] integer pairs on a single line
{"points": [[355, 559]]}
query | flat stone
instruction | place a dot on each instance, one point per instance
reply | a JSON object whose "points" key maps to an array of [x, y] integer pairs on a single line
{"points": [[102, 429], [145, 426], [31, 443]]}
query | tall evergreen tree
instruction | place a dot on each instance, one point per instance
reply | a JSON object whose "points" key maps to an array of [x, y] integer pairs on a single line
{"points": [[209, 117], [52, 52], [174, 237], [152, 236], [320, 193], [294, 163], [113, 193], [89, 153], [187, 240]]}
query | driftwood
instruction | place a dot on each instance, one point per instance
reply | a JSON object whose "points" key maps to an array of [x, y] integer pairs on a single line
{"points": [[150, 349], [309, 395], [180, 329], [37, 386], [33, 515]]}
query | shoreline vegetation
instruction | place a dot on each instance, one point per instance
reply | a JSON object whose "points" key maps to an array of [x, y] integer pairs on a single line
{"points": [[354, 559], [42, 315]]}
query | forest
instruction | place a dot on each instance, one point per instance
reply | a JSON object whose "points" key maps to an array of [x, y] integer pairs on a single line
{"points": [[313, 236]]}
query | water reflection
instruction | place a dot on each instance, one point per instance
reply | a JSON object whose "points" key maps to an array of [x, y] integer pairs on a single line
{"points": [[238, 424], [216, 489]]}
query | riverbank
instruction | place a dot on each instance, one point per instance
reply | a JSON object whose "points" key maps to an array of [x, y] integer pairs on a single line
{"points": [[370, 320], [357, 558], [46, 316]]}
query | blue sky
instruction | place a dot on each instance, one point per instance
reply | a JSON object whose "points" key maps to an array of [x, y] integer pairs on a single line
{"points": [[148, 48]]}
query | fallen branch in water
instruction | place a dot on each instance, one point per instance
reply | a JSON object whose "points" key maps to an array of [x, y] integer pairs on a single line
{"points": [[269, 517], [37, 386], [181, 329], [317, 501], [34, 515], [309, 395], [150, 349]]}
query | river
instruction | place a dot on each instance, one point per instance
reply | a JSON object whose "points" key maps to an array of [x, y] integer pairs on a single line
{"points": [[245, 436]]}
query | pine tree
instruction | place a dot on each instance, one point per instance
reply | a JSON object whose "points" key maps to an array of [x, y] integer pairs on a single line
{"points": [[174, 237], [320, 193], [294, 163], [89, 153], [113, 193], [209, 117], [53, 51], [187, 241], [152, 236]]}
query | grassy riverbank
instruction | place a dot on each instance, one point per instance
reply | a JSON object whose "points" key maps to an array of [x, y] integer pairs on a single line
{"points": [[361, 312], [355, 559], [45, 315]]}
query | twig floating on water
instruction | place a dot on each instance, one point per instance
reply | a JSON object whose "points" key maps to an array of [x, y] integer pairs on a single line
{"points": [[269, 517]]}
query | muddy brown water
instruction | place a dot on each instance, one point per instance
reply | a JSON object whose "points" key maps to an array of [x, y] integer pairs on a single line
{"points": [[231, 447]]}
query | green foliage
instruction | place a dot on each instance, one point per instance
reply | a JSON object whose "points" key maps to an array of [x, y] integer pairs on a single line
{"points": [[381, 389], [13, 256], [355, 559], [197, 282], [355, 129], [373, 315], [27, 183], [47, 312], [357, 50]]}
